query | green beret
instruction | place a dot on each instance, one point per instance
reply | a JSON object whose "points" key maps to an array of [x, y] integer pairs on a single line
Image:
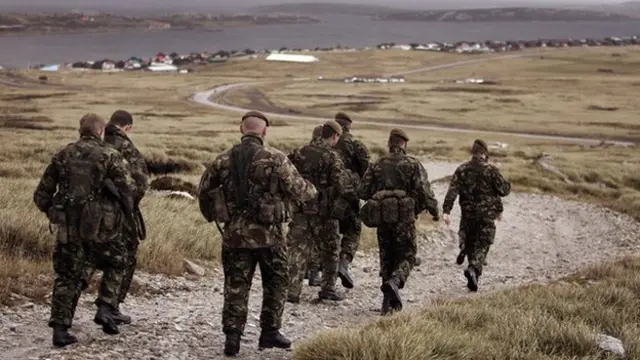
{"points": [[342, 117], [481, 143], [256, 114], [399, 133], [335, 126]]}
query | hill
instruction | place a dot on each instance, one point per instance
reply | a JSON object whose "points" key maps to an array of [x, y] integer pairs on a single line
{"points": [[506, 14], [327, 8]]}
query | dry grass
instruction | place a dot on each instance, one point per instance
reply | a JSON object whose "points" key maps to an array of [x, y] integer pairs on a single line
{"points": [[559, 321], [554, 92], [177, 137]]}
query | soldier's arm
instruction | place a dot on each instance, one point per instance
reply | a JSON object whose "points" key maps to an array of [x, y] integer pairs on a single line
{"points": [[365, 189], [43, 196], [296, 187], [139, 171], [423, 188], [502, 185], [452, 193], [362, 157], [119, 171], [210, 180]]}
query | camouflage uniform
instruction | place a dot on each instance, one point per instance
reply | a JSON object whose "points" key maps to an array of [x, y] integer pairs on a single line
{"points": [[121, 142], [88, 221], [480, 187], [397, 242], [314, 268], [247, 242], [323, 167], [355, 156]]}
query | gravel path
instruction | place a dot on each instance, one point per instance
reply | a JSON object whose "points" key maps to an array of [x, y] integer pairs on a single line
{"points": [[541, 238]]}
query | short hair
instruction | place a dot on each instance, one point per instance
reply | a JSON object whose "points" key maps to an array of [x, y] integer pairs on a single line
{"points": [[121, 118], [317, 132], [91, 124]]}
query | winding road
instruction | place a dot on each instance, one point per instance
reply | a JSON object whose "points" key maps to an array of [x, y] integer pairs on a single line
{"points": [[205, 98]]}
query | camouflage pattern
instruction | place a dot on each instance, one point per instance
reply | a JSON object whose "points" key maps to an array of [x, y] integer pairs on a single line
{"points": [[397, 242], [242, 231], [320, 164], [480, 187], [355, 156], [305, 231], [121, 142], [76, 244], [246, 243], [239, 266]]}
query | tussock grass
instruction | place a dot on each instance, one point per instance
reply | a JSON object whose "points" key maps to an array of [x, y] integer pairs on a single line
{"points": [[159, 163], [559, 321], [173, 184]]}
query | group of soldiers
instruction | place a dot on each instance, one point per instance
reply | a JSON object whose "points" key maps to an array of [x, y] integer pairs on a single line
{"points": [[92, 189]]}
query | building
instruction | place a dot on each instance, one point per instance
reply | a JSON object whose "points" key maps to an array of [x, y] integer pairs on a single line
{"points": [[292, 58], [374, 79]]}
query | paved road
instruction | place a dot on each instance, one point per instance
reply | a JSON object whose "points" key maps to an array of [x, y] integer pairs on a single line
{"points": [[204, 98]]}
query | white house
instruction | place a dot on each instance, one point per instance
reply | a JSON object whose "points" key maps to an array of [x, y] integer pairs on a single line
{"points": [[162, 67], [292, 58]]}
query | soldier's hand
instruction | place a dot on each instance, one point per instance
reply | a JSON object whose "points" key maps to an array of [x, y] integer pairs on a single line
{"points": [[499, 218], [446, 218]]}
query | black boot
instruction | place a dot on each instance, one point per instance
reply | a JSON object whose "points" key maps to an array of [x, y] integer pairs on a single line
{"points": [[273, 339], [314, 278], [390, 289], [386, 306], [120, 318], [332, 295], [293, 299], [61, 336], [232, 343], [472, 279], [460, 258], [103, 317], [343, 273]]}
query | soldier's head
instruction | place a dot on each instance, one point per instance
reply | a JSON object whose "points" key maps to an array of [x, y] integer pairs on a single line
{"points": [[317, 132], [254, 122], [331, 131], [344, 120], [92, 125], [398, 138], [480, 148], [122, 119]]}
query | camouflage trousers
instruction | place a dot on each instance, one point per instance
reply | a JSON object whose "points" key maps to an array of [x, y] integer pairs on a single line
{"points": [[131, 246], [397, 245], [478, 235], [307, 232], [70, 261], [350, 228], [239, 266]]}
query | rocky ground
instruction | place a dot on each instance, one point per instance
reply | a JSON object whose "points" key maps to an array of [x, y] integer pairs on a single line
{"points": [[541, 238]]}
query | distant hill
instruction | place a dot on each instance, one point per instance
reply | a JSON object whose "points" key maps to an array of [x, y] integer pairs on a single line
{"points": [[507, 14], [326, 8]]}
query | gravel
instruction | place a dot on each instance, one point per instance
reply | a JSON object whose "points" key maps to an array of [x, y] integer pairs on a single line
{"points": [[541, 238]]}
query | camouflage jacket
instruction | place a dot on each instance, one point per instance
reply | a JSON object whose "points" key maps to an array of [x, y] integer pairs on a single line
{"points": [[82, 168], [398, 171], [241, 231], [121, 142], [320, 164], [480, 186], [354, 153]]}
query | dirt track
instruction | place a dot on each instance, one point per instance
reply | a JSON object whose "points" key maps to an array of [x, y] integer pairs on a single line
{"points": [[541, 238]]}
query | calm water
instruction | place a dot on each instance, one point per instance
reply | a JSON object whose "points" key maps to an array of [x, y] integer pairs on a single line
{"points": [[354, 31]]}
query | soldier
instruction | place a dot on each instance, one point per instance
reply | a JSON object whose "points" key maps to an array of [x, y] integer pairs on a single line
{"points": [[85, 191], [397, 189], [313, 268], [355, 156], [246, 188], [480, 186], [119, 126], [317, 221]]}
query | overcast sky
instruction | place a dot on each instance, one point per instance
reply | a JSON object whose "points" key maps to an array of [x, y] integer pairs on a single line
{"points": [[238, 4]]}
